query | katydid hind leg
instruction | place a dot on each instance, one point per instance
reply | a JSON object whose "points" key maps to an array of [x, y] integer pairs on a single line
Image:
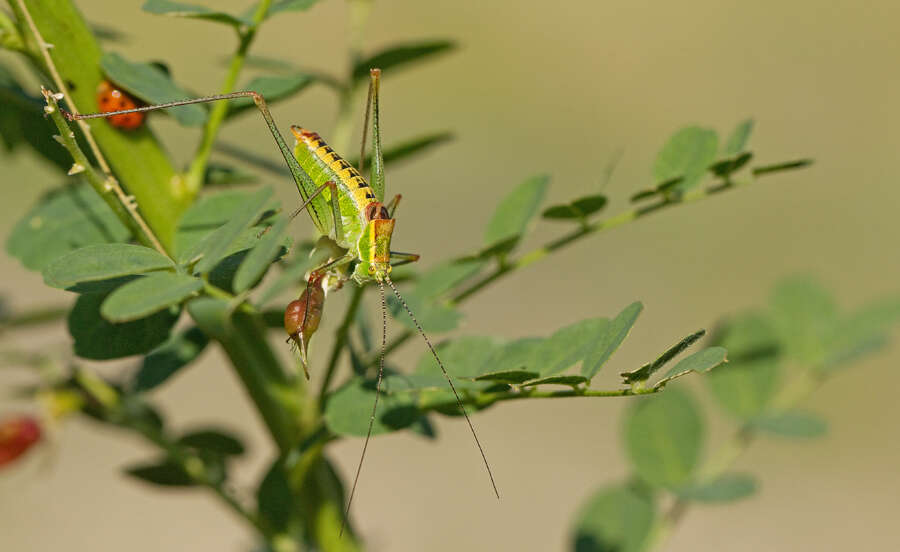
{"points": [[305, 184]]}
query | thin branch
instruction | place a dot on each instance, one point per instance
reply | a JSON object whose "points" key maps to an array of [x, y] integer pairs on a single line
{"points": [[108, 189], [218, 112], [481, 400], [143, 233], [341, 339], [581, 231]]}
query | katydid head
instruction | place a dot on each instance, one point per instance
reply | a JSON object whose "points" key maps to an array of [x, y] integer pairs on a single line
{"points": [[375, 246]]}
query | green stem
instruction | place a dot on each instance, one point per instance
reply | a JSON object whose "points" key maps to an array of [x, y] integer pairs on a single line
{"points": [[341, 339], [197, 170], [111, 193], [193, 466], [482, 400], [582, 231]]}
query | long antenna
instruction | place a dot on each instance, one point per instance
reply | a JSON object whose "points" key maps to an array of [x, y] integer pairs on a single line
{"points": [[446, 375], [374, 407]]}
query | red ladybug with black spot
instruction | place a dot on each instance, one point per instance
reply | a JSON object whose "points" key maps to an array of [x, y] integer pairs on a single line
{"points": [[112, 98]]}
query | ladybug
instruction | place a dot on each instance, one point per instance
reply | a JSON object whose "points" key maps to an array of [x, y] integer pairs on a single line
{"points": [[110, 98]]}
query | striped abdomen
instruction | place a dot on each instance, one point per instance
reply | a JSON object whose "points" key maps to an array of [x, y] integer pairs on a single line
{"points": [[334, 167]]}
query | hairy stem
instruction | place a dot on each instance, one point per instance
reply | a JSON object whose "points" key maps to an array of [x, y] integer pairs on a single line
{"points": [[106, 187]]}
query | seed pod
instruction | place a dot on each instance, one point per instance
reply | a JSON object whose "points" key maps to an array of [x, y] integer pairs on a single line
{"points": [[302, 317]]}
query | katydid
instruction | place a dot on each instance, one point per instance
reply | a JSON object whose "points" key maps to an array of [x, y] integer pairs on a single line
{"points": [[350, 216]]}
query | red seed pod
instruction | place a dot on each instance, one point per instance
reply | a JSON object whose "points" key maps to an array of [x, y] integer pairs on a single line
{"points": [[302, 316], [17, 435], [111, 98]]}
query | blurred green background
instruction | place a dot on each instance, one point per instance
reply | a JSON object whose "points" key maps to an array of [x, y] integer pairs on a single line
{"points": [[558, 88]]}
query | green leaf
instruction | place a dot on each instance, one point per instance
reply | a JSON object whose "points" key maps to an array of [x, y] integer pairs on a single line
{"points": [[663, 438], [280, 6], [781, 167], [216, 245], [862, 332], [728, 166], [515, 211], [567, 346], [699, 362], [445, 276], [152, 85], [10, 39], [103, 262], [408, 149], [613, 335], [97, 339], [274, 497], [291, 274], [432, 316], [615, 519], [508, 376], [512, 357], [793, 423], [208, 213], [147, 295], [165, 473], [400, 55], [273, 88], [745, 385], [686, 155], [805, 318], [22, 121], [349, 409], [215, 441], [644, 372], [725, 488], [558, 380], [465, 357], [223, 176], [180, 9], [737, 140], [75, 213], [580, 208], [261, 257], [166, 360]]}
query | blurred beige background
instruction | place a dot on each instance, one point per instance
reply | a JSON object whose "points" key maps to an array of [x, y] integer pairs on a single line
{"points": [[553, 87]]}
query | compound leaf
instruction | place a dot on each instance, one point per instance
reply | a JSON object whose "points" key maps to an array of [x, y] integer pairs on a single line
{"points": [[664, 437]]}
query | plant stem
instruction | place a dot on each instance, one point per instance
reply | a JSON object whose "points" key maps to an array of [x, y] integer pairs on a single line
{"points": [[197, 170], [581, 231], [341, 339], [482, 400], [107, 188], [189, 463]]}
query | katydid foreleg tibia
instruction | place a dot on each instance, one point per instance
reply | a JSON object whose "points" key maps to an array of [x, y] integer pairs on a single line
{"points": [[353, 223]]}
